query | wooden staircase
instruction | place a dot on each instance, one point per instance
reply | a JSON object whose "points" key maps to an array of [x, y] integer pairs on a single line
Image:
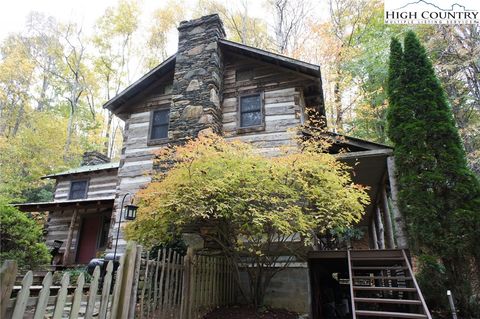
{"points": [[382, 285]]}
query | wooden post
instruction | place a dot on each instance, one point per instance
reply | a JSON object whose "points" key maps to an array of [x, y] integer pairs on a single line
{"points": [[400, 228], [7, 279], [379, 227], [187, 274], [22, 296], [66, 255], [136, 278], [389, 239], [373, 231], [126, 281]]}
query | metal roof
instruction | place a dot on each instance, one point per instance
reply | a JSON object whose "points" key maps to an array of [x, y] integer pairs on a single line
{"points": [[85, 169]]}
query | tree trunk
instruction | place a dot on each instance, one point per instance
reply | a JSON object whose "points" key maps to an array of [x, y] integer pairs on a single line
{"points": [[19, 118], [69, 133], [106, 145], [373, 231], [337, 101], [389, 239], [380, 230], [400, 227]]}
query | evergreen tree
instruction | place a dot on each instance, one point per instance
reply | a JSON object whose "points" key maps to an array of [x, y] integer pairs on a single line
{"points": [[439, 196]]}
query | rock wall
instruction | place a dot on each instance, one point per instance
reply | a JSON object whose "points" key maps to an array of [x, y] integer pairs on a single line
{"points": [[197, 80], [289, 289]]}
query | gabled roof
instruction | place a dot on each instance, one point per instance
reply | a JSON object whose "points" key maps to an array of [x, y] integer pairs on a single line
{"points": [[85, 169], [138, 86], [273, 58], [308, 69]]}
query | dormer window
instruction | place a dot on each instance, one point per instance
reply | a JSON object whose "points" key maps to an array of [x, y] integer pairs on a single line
{"points": [[78, 189], [159, 124]]}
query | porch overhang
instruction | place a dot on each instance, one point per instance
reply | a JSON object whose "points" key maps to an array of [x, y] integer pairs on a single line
{"points": [[369, 168], [106, 202]]}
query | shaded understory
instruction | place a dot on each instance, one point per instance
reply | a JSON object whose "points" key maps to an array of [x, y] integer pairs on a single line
{"points": [[245, 312]]}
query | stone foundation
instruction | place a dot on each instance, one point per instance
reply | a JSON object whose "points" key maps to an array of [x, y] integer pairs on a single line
{"points": [[289, 289]]}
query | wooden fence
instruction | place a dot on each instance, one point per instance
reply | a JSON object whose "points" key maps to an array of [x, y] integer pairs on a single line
{"points": [[208, 283], [79, 300], [173, 286], [169, 286]]}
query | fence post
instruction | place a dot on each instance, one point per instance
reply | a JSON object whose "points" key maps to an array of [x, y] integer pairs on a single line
{"points": [[186, 302], [136, 278], [7, 278], [124, 282]]}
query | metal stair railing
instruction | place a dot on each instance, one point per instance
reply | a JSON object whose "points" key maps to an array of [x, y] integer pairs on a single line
{"points": [[352, 295]]}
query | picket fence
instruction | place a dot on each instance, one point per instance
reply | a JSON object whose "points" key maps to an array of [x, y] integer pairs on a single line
{"points": [[169, 286]]}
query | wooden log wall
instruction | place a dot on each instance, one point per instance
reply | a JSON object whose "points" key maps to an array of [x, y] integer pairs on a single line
{"points": [[136, 160], [101, 184], [59, 222], [283, 104]]}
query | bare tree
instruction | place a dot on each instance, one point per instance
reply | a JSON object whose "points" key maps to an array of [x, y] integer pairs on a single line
{"points": [[290, 19]]}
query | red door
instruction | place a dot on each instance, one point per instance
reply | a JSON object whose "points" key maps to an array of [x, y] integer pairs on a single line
{"points": [[87, 241]]}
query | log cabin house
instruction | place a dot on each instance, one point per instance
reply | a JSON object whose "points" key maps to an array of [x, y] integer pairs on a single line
{"points": [[80, 215], [256, 96]]}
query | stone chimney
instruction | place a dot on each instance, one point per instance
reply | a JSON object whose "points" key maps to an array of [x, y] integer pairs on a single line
{"points": [[197, 79], [94, 158]]}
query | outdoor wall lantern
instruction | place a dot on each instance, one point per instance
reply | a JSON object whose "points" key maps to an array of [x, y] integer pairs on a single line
{"points": [[130, 212]]}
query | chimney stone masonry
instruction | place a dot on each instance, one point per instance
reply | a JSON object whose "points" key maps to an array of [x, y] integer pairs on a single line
{"points": [[197, 79]]}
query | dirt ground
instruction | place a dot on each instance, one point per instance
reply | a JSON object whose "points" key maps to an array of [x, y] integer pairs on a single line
{"points": [[238, 312]]}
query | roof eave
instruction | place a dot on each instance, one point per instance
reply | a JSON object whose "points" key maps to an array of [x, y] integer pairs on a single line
{"points": [[81, 172], [132, 89], [293, 64]]}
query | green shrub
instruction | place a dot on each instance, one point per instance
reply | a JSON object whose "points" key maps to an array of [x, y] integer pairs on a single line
{"points": [[431, 277], [21, 239]]}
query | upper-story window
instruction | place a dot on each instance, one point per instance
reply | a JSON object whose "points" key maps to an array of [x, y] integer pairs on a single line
{"points": [[250, 110], [78, 189], [159, 124], [244, 75]]}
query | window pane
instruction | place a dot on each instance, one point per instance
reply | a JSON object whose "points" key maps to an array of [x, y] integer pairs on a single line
{"points": [[251, 119], [160, 131], [160, 117], [159, 124], [250, 103], [78, 190]]}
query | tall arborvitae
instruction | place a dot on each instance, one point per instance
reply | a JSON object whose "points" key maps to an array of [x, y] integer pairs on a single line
{"points": [[439, 196]]}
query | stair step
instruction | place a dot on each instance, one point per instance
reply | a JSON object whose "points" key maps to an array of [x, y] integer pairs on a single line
{"points": [[389, 314], [385, 300], [383, 277], [376, 258], [378, 267], [370, 288]]}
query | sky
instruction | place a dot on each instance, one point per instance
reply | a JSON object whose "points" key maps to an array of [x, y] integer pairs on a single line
{"points": [[85, 12], [13, 13]]}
